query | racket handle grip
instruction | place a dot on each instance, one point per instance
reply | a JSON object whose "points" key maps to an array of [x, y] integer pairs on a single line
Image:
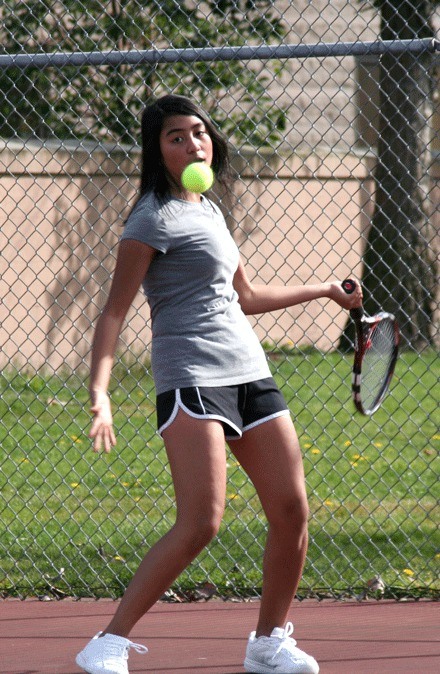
{"points": [[349, 285]]}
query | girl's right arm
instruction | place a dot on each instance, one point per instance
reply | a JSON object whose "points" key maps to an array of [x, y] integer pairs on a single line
{"points": [[133, 261]]}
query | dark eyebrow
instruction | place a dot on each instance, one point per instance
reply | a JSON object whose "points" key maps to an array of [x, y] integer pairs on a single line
{"points": [[171, 131]]}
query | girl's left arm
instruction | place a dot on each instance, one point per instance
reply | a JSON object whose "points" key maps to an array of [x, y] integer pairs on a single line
{"points": [[259, 298]]}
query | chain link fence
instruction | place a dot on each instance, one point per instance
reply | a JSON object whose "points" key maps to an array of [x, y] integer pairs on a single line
{"points": [[331, 109]]}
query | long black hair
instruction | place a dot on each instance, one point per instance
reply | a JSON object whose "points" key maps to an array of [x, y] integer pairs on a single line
{"points": [[153, 174]]}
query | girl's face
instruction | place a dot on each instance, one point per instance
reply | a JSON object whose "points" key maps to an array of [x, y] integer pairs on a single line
{"points": [[183, 140]]}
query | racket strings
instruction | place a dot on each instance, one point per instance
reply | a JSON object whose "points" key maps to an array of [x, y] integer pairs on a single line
{"points": [[377, 362]]}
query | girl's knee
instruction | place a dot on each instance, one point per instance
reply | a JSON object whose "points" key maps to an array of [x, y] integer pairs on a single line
{"points": [[199, 531], [290, 512], [206, 529]]}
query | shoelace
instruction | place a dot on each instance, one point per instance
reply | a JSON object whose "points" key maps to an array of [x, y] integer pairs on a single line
{"points": [[118, 649], [139, 648], [286, 641]]}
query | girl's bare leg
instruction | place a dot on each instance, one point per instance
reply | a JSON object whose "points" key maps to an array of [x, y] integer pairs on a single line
{"points": [[196, 452], [270, 455]]}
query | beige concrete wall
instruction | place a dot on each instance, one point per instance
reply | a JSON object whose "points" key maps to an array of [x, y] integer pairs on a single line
{"points": [[62, 210], [60, 214], [304, 221]]}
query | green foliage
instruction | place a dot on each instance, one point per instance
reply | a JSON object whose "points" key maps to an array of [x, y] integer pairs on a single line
{"points": [[105, 102]]}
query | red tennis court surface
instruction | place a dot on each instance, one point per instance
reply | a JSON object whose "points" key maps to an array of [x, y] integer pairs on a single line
{"points": [[371, 637]]}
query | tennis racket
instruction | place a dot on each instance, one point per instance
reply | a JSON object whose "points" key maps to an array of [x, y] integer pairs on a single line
{"points": [[375, 354]]}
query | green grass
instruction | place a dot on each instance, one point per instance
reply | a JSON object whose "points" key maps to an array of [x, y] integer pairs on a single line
{"points": [[372, 483]]}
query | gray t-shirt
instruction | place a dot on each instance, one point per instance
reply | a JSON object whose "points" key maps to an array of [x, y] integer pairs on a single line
{"points": [[200, 336]]}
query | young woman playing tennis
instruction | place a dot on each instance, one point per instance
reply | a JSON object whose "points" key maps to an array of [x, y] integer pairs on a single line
{"points": [[213, 385]]}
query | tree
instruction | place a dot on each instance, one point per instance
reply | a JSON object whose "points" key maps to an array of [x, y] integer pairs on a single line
{"points": [[400, 263], [105, 102]]}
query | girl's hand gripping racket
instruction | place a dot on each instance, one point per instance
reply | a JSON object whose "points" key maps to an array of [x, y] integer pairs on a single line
{"points": [[375, 355]]}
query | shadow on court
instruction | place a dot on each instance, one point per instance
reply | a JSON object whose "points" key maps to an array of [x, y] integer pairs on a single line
{"points": [[370, 637]]}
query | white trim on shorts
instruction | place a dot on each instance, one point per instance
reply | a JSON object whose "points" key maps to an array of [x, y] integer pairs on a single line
{"points": [[180, 405], [254, 424], [217, 417]]}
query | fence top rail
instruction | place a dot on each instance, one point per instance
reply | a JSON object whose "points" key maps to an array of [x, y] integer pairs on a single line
{"points": [[192, 55]]}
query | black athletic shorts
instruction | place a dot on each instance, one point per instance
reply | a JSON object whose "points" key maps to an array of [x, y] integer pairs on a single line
{"points": [[239, 407]]}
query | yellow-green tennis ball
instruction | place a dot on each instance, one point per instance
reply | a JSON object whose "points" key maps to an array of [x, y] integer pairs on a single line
{"points": [[197, 177]]}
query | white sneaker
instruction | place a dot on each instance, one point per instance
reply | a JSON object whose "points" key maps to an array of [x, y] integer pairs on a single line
{"points": [[107, 654], [278, 654]]}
